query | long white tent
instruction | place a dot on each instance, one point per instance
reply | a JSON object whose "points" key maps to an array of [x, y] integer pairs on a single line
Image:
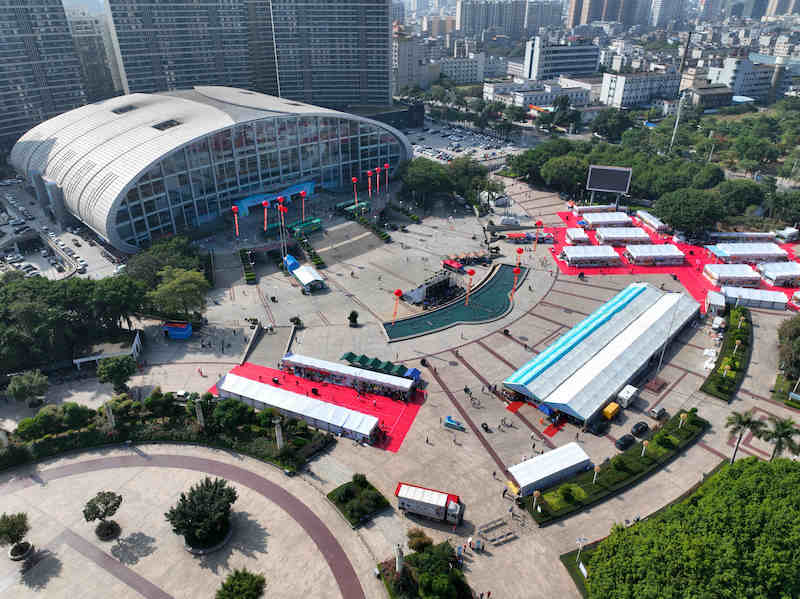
{"points": [[319, 414], [607, 219], [346, 375], [731, 274], [589, 255], [622, 235], [749, 252], [664, 253], [586, 368], [780, 273], [547, 469], [652, 221], [577, 236], [755, 298]]}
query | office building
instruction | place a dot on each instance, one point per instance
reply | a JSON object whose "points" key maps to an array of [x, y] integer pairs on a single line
{"points": [[138, 167], [709, 97], [398, 12], [544, 60], [746, 9], [473, 17], [762, 82], [410, 68], [334, 54], [40, 75], [639, 89], [662, 12], [88, 36], [541, 14], [464, 70]]}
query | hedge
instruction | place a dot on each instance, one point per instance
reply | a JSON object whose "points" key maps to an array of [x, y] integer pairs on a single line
{"points": [[618, 473], [383, 235], [403, 209], [247, 268], [358, 500], [717, 383]]}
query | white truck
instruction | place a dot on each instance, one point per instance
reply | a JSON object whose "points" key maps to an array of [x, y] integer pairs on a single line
{"points": [[436, 505]]}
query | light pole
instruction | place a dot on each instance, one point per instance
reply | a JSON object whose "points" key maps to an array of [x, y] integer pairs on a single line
{"points": [[596, 472], [378, 178], [645, 443], [355, 191], [265, 204], [580, 541], [303, 199], [386, 171], [235, 210]]}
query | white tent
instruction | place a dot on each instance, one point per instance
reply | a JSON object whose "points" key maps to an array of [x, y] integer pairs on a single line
{"points": [[607, 219], [348, 374], [651, 221], [749, 252], [308, 277], [622, 235], [577, 236], [589, 255], [780, 274], [755, 298], [731, 274], [665, 253], [316, 413], [547, 469]]}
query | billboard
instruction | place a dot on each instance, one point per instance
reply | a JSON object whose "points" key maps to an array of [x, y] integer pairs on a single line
{"points": [[613, 179]]}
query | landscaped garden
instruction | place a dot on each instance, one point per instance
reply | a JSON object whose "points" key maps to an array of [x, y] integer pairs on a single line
{"points": [[431, 572], [735, 536], [229, 424], [734, 356], [358, 500], [619, 472]]}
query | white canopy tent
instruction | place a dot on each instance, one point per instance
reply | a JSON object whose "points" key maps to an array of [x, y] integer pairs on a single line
{"points": [[665, 253], [755, 298], [577, 236], [308, 277], [780, 274], [622, 235], [652, 221], [547, 469], [731, 274], [590, 255], [347, 375], [607, 219]]}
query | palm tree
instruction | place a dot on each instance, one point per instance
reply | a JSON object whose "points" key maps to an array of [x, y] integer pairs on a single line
{"points": [[739, 423], [782, 436]]}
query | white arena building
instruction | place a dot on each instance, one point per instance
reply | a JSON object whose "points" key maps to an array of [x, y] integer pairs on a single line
{"points": [[143, 166]]}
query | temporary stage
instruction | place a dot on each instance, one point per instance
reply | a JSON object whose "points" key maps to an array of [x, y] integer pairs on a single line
{"points": [[586, 368]]}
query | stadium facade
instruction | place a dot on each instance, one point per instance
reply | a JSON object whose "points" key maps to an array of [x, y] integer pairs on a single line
{"points": [[137, 167]]}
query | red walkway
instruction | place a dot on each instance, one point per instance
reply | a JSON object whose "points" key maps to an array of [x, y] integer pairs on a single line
{"points": [[690, 274], [395, 416]]}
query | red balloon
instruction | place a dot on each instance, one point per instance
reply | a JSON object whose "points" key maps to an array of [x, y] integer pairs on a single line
{"points": [[386, 166], [369, 173], [517, 270], [538, 223], [303, 193], [398, 292], [280, 199], [235, 209], [471, 272], [283, 208], [265, 203], [354, 180], [520, 250]]}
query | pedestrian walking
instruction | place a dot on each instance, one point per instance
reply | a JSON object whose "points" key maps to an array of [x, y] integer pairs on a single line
{"points": [[494, 474], [577, 435], [427, 441], [504, 493], [488, 594]]}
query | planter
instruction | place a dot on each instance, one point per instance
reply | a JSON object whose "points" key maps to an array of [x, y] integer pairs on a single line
{"points": [[107, 531], [25, 551], [213, 548]]}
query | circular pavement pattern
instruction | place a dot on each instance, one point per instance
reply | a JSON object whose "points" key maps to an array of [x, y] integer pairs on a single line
{"points": [[337, 560]]}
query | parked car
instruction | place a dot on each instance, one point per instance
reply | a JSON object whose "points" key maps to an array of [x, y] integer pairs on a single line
{"points": [[624, 442], [640, 429], [658, 413]]}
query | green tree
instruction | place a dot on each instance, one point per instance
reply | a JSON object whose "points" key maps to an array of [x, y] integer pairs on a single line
{"points": [[180, 291], [567, 173], [202, 515], [117, 298], [418, 540], [242, 584], [739, 423], [117, 370], [466, 173], [102, 507], [231, 413], [175, 251], [13, 528], [425, 177], [611, 124], [757, 149], [709, 176], [781, 435], [737, 194], [692, 211], [27, 386], [515, 113]]}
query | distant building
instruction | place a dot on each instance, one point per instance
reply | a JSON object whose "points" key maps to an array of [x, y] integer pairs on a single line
{"points": [[409, 66], [515, 69], [594, 85], [694, 77], [40, 74], [524, 92], [713, 96], [434, 25], [544, 60], [473, 17], [760, 81], [88, 36], [639, 89], [662, 12], [541, 14], [776, 8], [464, 70], [398, 12]]}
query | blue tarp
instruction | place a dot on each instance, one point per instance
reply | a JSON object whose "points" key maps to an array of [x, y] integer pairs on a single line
{"points": [[177, 330], [290, 262], [543, 408], [413, 373]]}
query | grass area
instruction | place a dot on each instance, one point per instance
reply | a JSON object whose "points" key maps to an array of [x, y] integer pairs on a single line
{"points": [[623, 470], [434, 568], [358, 500], [732, 362], [781, 390]]}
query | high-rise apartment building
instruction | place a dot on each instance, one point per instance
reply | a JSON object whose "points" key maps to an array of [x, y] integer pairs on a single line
{"points": [[40, 75], [592, 10], [473, 17], [435, 25], [548, 61], [574, 12], [776, 8], [664, 11], [398, 12], [541, 14], [88, 36], [335, 54]]}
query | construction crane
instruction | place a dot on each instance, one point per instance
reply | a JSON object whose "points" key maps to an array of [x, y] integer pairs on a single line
{"points": [[683, 94]]}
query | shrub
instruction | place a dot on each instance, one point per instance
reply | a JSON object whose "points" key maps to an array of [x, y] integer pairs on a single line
{"points": [[418, 540], [242, 584], [13, 528], [360, 481], [101, 507], [202, 516], [567, 494], [14, 455]]}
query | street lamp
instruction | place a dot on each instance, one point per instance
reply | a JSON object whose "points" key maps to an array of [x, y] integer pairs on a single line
{"points": [[596, 472], [235, 210], [536, 495], [580, 541], [355, 191], [265, 204], [645, 443], [303, 199]]}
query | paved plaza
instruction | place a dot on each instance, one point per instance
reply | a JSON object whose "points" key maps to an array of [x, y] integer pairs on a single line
{"points": [[285, 526]]}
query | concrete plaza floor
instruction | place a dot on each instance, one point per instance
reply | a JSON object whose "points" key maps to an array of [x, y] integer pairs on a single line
{"points": [[362, 273]]}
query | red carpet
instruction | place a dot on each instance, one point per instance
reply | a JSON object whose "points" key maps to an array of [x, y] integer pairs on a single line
{"points": [[690, 274], [551, 430], [514, 406], [396, 417]]}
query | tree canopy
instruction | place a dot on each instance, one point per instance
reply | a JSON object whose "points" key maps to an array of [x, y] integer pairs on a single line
{"points": [[202, 515], [27, 386], [736, 536], [117, 370], [611, 124], [180, 291], [692, 211]]}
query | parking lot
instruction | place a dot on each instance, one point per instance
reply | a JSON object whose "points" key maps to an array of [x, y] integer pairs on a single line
{"points": [[443, 143], [34, 244]]}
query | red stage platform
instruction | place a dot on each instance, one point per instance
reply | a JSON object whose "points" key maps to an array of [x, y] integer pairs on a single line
{"points": [[395, 416], [690, 274]]}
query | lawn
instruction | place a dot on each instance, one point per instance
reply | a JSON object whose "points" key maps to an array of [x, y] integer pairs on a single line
{"points": [[624, 469], [358, 500], [732, 362]]}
